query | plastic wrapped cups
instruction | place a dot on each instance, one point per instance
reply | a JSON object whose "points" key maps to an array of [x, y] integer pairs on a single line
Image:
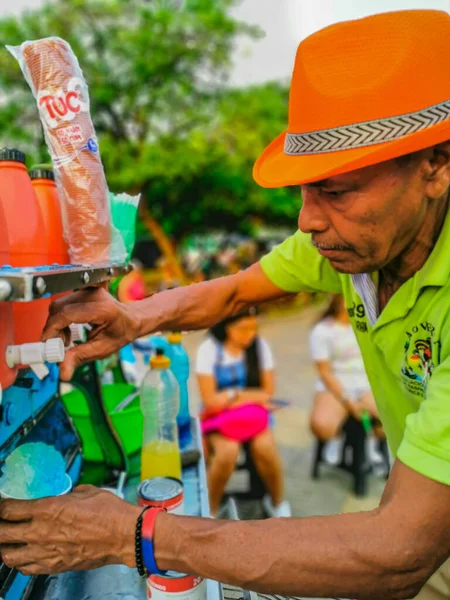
{"points": [[61, 93]]}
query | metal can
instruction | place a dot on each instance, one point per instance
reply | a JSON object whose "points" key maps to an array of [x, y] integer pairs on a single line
{"points": [[162, 492], [176, 586]]}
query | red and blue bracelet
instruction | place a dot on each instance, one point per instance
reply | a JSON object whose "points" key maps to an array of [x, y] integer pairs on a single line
{"points": [[145, 552]]}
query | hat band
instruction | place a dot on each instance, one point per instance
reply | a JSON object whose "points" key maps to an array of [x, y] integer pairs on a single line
{"points": [[360, 135]]}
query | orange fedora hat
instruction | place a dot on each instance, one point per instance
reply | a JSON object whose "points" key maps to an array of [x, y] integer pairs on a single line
{"points": [[363, 92]]}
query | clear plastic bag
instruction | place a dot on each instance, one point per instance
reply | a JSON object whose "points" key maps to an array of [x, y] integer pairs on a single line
{"points": [[56, 80]]}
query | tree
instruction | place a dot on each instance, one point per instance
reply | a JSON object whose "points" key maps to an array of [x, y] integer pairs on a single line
{"points": [[167, 123], [214, 168]]}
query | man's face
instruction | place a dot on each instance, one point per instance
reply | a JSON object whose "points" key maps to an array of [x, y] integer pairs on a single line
{"points": [[362, 220]]}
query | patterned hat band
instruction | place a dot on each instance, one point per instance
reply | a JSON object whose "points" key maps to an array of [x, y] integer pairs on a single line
{"points": [[360, 135]]}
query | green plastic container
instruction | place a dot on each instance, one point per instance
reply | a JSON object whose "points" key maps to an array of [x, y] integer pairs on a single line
{"points": [[128, 423]]}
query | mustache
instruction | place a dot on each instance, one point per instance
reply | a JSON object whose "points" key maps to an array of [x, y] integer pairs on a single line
{"points": [[323, 246]]}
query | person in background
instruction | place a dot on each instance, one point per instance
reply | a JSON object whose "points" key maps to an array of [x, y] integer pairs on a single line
{"points": [[235, 368], [342, 388], [131, 287]]}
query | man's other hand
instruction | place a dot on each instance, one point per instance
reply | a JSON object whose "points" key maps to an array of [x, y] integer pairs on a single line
{"points": [[86, 529]]}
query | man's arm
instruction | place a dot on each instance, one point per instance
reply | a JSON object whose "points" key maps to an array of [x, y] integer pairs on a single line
{"points": [[384, 554], [115, 324], [387, 553], [202, 305]]}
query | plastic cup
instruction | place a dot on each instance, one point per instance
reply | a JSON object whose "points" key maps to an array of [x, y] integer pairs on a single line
{"points": [[67, 490]]}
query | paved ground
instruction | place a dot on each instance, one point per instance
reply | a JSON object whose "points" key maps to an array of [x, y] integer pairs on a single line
{"points": [[288, 336]]}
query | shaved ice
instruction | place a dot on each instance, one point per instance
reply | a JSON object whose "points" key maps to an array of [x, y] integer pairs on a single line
{"points": [[33, 471]]}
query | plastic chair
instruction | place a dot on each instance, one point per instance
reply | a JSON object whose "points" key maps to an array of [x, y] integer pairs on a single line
{"points": [[354, 456], [256, 489]]}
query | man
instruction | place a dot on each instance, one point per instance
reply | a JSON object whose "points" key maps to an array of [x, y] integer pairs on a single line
{"points": [[368, 142]]}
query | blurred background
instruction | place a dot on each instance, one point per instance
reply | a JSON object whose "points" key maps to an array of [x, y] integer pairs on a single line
{"points": [[185, 94]]}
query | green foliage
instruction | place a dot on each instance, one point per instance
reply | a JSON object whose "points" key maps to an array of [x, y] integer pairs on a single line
{"points": [[166, 121]]}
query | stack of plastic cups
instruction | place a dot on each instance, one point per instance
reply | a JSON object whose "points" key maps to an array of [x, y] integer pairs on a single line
{"points": [[27, 244], [51, 66]]}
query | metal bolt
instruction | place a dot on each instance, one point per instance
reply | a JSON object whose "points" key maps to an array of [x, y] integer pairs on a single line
{"points": [[41, 286], [5, 290], [86, 279]]}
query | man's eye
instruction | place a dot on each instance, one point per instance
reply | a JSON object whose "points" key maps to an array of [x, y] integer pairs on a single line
{"points": [[335, 193]]}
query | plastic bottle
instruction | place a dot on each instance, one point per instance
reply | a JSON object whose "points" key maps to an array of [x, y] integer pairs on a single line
{"points": [[28, 246], [180, 368], [27, 243], [366, 422], [7, 375], [160, 405], [129, 364], [43, 181], [146, 346]]}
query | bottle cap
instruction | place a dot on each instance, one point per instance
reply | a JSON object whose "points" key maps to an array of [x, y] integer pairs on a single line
{"points": [[12, 154], [42, 174], [159, 360], [175, 337]]}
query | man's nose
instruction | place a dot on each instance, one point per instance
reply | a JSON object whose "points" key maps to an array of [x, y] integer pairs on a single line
{"points": [[312, 218]]}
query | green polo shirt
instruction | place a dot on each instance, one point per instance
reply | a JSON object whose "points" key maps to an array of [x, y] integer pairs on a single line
{"points": [[406, 351]]}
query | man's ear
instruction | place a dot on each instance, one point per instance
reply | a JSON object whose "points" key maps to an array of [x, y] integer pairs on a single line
{"points": [[437, 170]]}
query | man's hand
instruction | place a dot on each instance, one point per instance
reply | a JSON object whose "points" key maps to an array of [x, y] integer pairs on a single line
{"points": [[86, 529], [114, 325]]}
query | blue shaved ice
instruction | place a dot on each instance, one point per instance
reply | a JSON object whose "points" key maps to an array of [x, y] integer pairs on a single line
{"points": [[32, 471]]}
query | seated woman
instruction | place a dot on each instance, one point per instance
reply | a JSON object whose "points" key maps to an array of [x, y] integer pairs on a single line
{"points": [[234, 369], [342, 388]]}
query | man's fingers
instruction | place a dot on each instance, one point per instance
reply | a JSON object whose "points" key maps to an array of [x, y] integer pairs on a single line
{"points": [[14, 533], [60, 303], [29, 560], [89, 294], [87, 312], [85, 489], [17, 510], [32, 569], [91, 350], [14, 556]]}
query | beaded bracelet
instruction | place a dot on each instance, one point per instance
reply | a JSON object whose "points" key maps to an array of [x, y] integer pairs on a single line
{"points": [[138, 545]]}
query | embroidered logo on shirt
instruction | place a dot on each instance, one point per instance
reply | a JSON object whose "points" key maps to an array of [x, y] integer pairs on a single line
{"points": [[418, 359]]}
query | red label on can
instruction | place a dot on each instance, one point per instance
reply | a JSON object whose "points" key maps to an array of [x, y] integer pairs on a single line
{"points": [[184, 587]]}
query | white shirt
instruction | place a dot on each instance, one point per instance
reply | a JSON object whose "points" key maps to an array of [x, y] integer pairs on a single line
{"points": [[208, 353], [336, 342]]}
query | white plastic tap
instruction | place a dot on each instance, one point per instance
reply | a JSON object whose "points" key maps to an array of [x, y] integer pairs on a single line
{"points": [[36, 355], [76, 332]]}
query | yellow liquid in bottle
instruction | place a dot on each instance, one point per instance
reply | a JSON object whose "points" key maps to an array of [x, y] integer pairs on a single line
{"points": [[160, 458]]}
